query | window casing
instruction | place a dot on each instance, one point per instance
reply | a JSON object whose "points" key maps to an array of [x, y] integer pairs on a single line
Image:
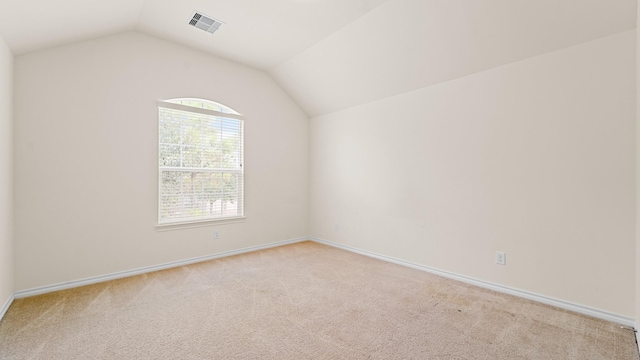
{"points": [[200, 162]]}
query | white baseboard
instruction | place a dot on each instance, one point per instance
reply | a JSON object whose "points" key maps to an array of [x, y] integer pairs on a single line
{"points": [[4, 308], [122, 274], [636, 334], [582, 309]]}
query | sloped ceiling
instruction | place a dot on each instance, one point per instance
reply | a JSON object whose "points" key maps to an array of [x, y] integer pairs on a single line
{"points": [[28, 25], [334, 54], [405, 45], [259, 33]]}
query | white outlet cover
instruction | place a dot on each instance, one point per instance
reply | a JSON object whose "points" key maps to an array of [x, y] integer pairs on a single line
{"points": [[501, 258]]}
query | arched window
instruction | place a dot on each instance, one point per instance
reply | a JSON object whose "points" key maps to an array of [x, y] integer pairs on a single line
{"points": [[200, 161], [203, 104]]}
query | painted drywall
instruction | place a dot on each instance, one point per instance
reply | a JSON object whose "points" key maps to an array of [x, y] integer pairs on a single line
{"points": [[637, 167], [534, 158], [6, 173], [86, 157], [404, 45]]}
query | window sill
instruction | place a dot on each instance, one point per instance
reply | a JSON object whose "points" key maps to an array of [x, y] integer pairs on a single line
{"points": [[200, 223]]}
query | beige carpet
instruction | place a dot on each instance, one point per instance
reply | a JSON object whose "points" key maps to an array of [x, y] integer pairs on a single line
{"points": [[302, 301]]}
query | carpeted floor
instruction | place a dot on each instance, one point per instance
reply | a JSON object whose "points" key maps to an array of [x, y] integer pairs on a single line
{"points": [[302, 301]]}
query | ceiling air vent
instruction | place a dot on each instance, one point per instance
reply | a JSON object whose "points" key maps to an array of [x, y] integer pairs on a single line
{"points": [[204, 22]]}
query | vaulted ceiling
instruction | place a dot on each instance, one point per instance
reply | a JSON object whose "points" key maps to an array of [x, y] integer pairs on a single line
{"points": [[334, 54], [259, 33], [404, 45]]}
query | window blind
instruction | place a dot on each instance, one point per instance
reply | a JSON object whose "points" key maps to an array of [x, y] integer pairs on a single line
{"points": [[200, 162]]}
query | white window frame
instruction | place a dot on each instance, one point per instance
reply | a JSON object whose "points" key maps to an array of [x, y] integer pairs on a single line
{"points": [[168, 225]]}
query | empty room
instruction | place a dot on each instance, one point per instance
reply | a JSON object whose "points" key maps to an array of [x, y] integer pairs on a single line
{"points": [[319, 179]]}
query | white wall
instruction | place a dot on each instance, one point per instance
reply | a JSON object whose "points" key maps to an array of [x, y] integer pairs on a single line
{"points": [[535, 158], [637, 166], [86, 157], [6, 173]]}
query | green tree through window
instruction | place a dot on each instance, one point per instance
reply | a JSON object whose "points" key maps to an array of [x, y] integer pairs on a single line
{"points": [[201, 173]]}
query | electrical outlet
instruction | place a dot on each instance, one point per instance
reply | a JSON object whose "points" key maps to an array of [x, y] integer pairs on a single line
{"points": [[216, 234], [501, 258], [336, 226]]}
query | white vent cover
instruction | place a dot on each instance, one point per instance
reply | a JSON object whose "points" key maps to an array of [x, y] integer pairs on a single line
{"points": [[204, 22]]}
